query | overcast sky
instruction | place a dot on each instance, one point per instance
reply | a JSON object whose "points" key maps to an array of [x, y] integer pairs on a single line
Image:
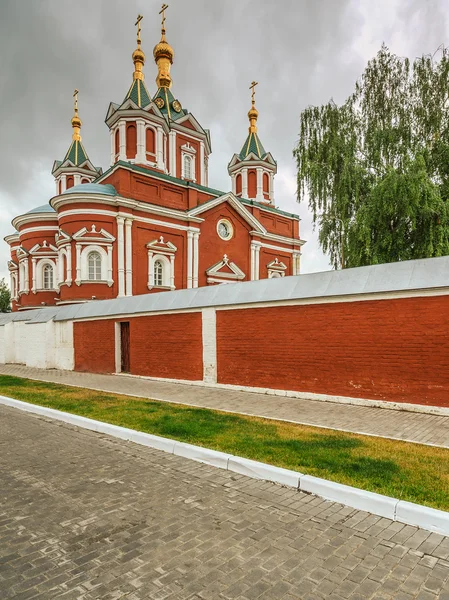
{"points": [[300, 51]]}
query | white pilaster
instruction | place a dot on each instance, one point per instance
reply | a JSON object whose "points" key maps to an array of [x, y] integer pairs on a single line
{"points": [[33, 275], [233, 179], [120, 256], [271, 194], [112, 132], [189, 258], [76, 179], [141, 154], [172, 151], [122, 129], [110, 280], [160, 149], [129, 257], [196, 236], [202, 170], [296, 257], [209, 331], [244, 182], [63, 183], [259, 195], [255, 256], [172, 271], [69, 266], [78, 264], [150, 270], [257, 261], [60, 267]]}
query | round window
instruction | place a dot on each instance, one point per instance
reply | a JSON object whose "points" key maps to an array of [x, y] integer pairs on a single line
{"points": [[225, 229]]}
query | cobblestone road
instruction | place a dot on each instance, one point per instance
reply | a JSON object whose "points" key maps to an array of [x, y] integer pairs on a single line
{"points": [[402, 425], [88, 517]]}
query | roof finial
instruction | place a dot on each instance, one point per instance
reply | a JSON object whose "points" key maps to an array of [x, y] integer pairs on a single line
{"points": [[253, 112], [76, 121], [138, 54], [163, 55]]}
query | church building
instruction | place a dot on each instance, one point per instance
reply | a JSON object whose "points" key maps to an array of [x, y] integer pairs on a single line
{"points": [[151, 222]]}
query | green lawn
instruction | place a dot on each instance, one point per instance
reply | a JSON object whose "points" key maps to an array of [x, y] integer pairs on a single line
{"points": [[408, 471]]}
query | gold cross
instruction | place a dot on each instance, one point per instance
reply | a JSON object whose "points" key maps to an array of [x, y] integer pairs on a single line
{"points": [[253, 93], [75, 95], [162, 12], [139, 18]]}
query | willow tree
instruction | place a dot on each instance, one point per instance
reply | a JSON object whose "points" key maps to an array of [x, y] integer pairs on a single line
{"points": [[375, 170]]}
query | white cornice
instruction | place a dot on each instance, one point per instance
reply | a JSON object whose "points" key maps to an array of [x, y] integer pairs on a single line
{"points": [[20, 220], [279, 238]]}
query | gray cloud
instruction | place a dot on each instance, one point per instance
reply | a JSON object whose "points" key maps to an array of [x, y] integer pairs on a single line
{"points": [[301, 52]]}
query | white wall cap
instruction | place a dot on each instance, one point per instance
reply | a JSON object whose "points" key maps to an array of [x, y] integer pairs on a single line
{"points": [[258, 470], [423, 516], [350, 496]]}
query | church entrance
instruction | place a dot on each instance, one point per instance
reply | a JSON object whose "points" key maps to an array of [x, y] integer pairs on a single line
{"points": [[124, 347]]}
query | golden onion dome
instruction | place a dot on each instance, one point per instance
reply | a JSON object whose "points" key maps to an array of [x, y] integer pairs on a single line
{"points": [[163, 50], [138, 56]]}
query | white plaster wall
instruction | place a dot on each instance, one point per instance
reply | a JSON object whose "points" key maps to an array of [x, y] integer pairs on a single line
{"points": [[35, 352], [9, 339], [64, 354], [209, 330], [2, 344], [21, 341]]}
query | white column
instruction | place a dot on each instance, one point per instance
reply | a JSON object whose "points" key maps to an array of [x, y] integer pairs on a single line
{"points": [[129, 257], [63, 183], [69, 266], [76, 179], [160, 149], [172, 271], [271, 194], [196, 236], [27, 276], [60, 267], [112, 132], [255, 255], [296, 263], [202, 173], [233, 177], [33, 266], [78, 264], [252, 261], [141, 155], [189, 258], [259, 195], [110, 280], [245, 183], [150, 270], [172, 150], [209, 331], [122, 129], [120, 256]]}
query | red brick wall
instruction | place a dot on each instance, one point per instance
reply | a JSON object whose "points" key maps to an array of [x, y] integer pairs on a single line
{"points": [[167, 346], [94, 343], [395, 350]]}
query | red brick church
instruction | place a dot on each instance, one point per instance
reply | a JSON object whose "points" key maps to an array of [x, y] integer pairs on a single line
{"points": [[151, 222]]}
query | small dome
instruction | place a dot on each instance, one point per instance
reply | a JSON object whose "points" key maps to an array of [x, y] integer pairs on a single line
{"points": [[92, 188], [45, 208], [163, 50]]}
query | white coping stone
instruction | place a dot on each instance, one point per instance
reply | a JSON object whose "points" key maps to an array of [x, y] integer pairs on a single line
{"points": [[377, 504], [258, 470], [423, 516], [204, 455]]}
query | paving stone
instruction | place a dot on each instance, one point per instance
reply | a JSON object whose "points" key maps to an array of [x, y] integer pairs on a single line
{"points": [[88, 517]]}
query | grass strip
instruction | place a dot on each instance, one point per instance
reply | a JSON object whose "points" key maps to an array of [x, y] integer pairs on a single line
{"points": [[412, 472]]}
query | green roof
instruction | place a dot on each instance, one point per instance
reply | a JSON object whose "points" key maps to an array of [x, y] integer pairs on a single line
{"points": [[138, 93], [252, 145], [76, 153], [168, 101]]}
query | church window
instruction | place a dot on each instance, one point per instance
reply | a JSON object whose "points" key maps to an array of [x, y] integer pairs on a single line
{"points": [[238, 184], [94, 266], [187, 167], [225, 229], [252, 184], [84, 180], [47, 277], [158, 273], [69, 182], [131, 141], [266, 183], [150, 142]]}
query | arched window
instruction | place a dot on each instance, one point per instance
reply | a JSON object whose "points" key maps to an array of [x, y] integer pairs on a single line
{"points": [[69, 183], [150, 142], [238, 184], [158, 273], [84, 180], [47, 277], [94, 266], [252, 184], [131, 141], [266, 183], [188, 167], [117, 142]]}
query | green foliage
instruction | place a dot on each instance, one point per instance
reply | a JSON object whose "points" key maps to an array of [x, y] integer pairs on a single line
{"points": [[5, 297], [376, 168]]}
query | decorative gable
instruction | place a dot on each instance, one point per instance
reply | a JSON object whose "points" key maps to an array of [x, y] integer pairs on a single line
{"points": [[161, 247], [224, 271], [44, 249], [236, 204], [276, 268], [92, 235]]}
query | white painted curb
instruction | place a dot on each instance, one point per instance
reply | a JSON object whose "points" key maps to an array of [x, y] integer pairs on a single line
{"points": [[377, 504]]}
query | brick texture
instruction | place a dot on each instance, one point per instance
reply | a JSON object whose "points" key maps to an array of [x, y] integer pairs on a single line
{"points": [[395, 350], [167, 346], [94, 343]]}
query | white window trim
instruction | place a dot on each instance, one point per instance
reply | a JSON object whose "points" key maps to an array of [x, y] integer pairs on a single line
{"points": [[40, 275], [106, 264], [276, 269], [168, 273], [188, 150]]}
